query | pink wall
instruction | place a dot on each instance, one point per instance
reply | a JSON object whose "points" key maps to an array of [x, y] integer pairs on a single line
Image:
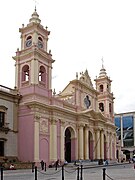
{"points": [[37, 89], [44, 149], [26, 137]]}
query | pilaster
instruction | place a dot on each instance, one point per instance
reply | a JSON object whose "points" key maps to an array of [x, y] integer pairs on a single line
{"points": [[62, 140], [36, 137], [81, 142], [86, 144], [53, 139], [98, 144]]}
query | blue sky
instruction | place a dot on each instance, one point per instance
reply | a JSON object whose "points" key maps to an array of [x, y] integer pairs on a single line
{"points": [[82, 32]]}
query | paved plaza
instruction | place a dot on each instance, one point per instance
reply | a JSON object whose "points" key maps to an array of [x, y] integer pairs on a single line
{"points": [[115, 172]]}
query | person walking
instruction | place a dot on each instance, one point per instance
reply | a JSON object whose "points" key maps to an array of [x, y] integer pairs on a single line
{"points": [[56, 164], [42, 164]]}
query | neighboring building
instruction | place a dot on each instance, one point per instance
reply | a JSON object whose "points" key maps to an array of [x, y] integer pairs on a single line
{"points": [[9, 100], [76, 124], [125, 123]]}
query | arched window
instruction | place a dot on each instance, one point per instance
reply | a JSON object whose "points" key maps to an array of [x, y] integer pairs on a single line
{"points": [[3, 111], [101, 106], [42, 74], [110, 108], [28, 41], [2, 118], [25, 73], [40, 42], [101, 88], [40, 39], [29, 37]]}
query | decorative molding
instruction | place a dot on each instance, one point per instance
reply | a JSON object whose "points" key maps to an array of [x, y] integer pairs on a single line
{"points": [[44, 126], [37, 117]]}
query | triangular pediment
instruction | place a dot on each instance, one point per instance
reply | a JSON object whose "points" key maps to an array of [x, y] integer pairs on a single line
{"points": [[93, 114], [85, 78]]}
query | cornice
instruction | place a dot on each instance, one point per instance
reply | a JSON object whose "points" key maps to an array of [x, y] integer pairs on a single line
{"points": [[33, 51]]}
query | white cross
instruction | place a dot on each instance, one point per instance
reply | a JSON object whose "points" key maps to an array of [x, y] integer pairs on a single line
{"points": [[36, 2], [102, 62]]}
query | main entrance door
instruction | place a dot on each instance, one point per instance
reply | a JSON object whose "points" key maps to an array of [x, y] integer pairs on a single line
{"points": [[68, 145]]}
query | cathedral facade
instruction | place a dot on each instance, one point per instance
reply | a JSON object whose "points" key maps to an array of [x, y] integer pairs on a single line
{"points": [[77, 123]]}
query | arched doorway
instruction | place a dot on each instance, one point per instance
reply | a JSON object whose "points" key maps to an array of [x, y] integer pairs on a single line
{"points": [[69, 144], [105, 148]]}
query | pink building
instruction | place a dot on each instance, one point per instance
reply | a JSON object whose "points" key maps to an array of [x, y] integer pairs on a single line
{"points": [[76, 124]]}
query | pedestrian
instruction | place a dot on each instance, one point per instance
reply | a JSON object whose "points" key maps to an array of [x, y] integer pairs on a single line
{"points": [[56, 164], [42, 164], [106, 162]]}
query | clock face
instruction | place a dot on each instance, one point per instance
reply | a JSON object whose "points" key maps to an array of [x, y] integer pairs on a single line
{"points": [[40, 44], [28, 43], [87, 101]]}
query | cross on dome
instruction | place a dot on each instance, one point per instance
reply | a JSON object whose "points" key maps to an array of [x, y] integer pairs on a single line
{"points": [[102, 70]]}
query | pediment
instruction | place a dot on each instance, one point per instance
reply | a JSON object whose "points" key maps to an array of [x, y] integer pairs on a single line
{"points": [[93, 114], [85, 78]]}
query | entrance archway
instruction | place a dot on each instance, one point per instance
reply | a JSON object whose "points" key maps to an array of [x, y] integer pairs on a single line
{"points": [[105, 147], [69, 144]]}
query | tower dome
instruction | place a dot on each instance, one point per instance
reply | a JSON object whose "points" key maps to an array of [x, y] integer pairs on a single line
{"points": [[35, 18], [102, 72]]}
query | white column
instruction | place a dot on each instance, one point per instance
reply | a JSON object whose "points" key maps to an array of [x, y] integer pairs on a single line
{"points": [[53, 141], [98, 144], [35, 38], [62, 141], [94, 146], [80, 143], [102, 144], [121, 125], [34, 73], [86, 144], [36, 138]]}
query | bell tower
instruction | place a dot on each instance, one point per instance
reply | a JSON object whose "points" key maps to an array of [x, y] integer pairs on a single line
{"points": [[105, 97], [33, 67]]}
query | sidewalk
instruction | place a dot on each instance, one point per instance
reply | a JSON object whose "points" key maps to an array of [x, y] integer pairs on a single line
{"points": [[93, 164]]}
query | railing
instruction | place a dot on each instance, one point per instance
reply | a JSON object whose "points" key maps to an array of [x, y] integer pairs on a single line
{"points": [[78, 171]]}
